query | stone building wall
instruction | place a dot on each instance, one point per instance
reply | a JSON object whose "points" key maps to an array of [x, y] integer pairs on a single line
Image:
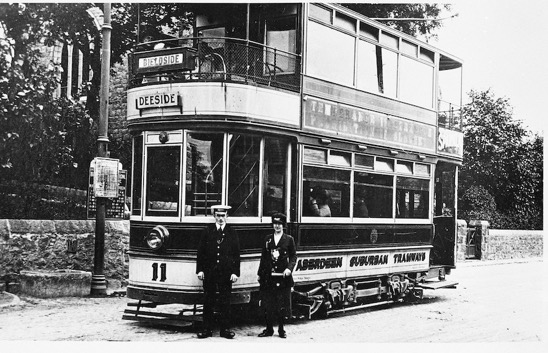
{"points": [[44, 245]]}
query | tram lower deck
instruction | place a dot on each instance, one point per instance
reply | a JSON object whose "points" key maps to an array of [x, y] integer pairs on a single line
{"points": [[371, 269]]}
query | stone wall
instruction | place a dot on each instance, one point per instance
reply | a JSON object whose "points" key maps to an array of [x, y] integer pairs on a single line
{"points": [[497, 244], [69, 244], [512, 244], [62, 244]]}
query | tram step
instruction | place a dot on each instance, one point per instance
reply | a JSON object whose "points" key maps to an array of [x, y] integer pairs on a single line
{"points": [[437, 285], [136, 315], [158, 321]]}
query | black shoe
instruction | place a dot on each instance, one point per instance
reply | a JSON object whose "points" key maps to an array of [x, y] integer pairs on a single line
{"points": [[205, 334], [227, 334], [282, 334], [266, 333]]}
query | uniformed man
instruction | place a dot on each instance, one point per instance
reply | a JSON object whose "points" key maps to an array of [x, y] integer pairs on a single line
{"points": [[218, 266], [278, 258]]}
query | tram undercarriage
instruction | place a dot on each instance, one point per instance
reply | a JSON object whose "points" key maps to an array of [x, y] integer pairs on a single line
{"points": [[312, 301]]}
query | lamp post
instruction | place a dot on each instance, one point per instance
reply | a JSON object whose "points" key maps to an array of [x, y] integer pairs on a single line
{"points": [[98, 281]]}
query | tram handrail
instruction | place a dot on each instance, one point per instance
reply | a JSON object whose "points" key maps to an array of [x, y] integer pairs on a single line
{"points": [[241, 61]]}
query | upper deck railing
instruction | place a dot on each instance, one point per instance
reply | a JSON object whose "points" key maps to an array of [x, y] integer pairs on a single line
{"points": [[214, 59], [449, 116]]}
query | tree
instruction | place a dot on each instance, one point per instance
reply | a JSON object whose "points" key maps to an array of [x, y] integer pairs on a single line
{"points": [[428, 12], [503, 159]]}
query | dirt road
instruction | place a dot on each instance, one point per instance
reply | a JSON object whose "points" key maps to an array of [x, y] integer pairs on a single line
{"points": [[493, 303]]}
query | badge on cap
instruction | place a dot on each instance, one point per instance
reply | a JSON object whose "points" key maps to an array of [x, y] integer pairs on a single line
{"points": [[220, 208]]}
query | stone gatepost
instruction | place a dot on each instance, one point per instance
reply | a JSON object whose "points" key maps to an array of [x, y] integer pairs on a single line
{"points": [[482, 232], [462, 230]]}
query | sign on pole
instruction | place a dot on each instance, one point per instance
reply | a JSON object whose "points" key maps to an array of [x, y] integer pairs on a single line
{"points": [[107, 180]]}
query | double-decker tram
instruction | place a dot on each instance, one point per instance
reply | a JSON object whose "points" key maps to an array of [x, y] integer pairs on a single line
{"points": [[350, 128]]}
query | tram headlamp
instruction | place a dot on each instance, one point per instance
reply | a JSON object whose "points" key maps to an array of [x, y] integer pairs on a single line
{"points": [[157, 237]]}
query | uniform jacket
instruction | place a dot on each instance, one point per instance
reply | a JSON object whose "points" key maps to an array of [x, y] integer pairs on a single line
{"points": [[220, 250], [275, 259]]}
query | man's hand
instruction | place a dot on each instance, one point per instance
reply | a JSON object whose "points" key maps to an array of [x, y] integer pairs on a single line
{"points": [[233, 278], [201, 275], [287, 272]]}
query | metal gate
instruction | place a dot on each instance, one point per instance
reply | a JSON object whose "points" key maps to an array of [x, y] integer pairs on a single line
{"points": [[473, 243]]}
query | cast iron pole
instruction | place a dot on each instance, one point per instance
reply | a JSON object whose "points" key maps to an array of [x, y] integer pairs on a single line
{"points": [[98, 281]]}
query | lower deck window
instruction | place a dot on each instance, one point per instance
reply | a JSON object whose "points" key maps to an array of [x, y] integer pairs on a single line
{"points": [[163, 175], [412, 197], [326, 192]]}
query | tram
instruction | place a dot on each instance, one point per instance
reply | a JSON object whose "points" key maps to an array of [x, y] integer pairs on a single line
{"points": [[265, 107]]}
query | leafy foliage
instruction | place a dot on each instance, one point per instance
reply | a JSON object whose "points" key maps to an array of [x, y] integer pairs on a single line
{"points": [[502, 159], [428, 12]]}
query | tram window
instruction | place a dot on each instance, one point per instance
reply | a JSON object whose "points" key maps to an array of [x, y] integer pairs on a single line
{"points": [[384, 164], [312, 155], [422, 169], [390, 40], [243, 179], [409, 48], [345, 22], [329, 189], [416, 82], [204, 172], [338, 158], [369, 31], [365, 161], [404, 167], [377, 69], [412, 197], [320, 13], [163, 174], [373, 195], [274, 171], [136, 193], [330, 54], [367, 78], [427, 55], [387, 71], [281, 34]]}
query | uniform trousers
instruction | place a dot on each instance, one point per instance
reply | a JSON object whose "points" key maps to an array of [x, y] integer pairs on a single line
{"points": [[276, 305], [213, 284]]}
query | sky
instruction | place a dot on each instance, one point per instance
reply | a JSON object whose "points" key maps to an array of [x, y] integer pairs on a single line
{"points": [[504, 47]]}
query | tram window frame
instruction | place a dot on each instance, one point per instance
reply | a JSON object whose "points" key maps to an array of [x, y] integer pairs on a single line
{"points": [[387, 169], [138, 168], [320, 13], [221, 162], [333, 189], [164, 207], [251, 178], [411, 198], [283, 65], [276, 183]]}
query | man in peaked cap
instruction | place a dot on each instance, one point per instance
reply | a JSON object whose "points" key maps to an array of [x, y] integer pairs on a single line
{"points": [[278, 258], [218, 266]]}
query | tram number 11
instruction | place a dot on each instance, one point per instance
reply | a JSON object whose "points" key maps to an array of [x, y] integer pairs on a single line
{"points": [[163, 271]]}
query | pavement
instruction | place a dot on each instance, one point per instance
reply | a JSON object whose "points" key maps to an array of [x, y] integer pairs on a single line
{"points": [[8, 299]]}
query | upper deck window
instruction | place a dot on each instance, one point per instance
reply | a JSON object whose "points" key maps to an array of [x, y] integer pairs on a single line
{"points": [[409, 48], [281, 34], [330, 54], [416, 82], [427, 55], [389, 40], [368, 31], [320, 13], [345, 22]]}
